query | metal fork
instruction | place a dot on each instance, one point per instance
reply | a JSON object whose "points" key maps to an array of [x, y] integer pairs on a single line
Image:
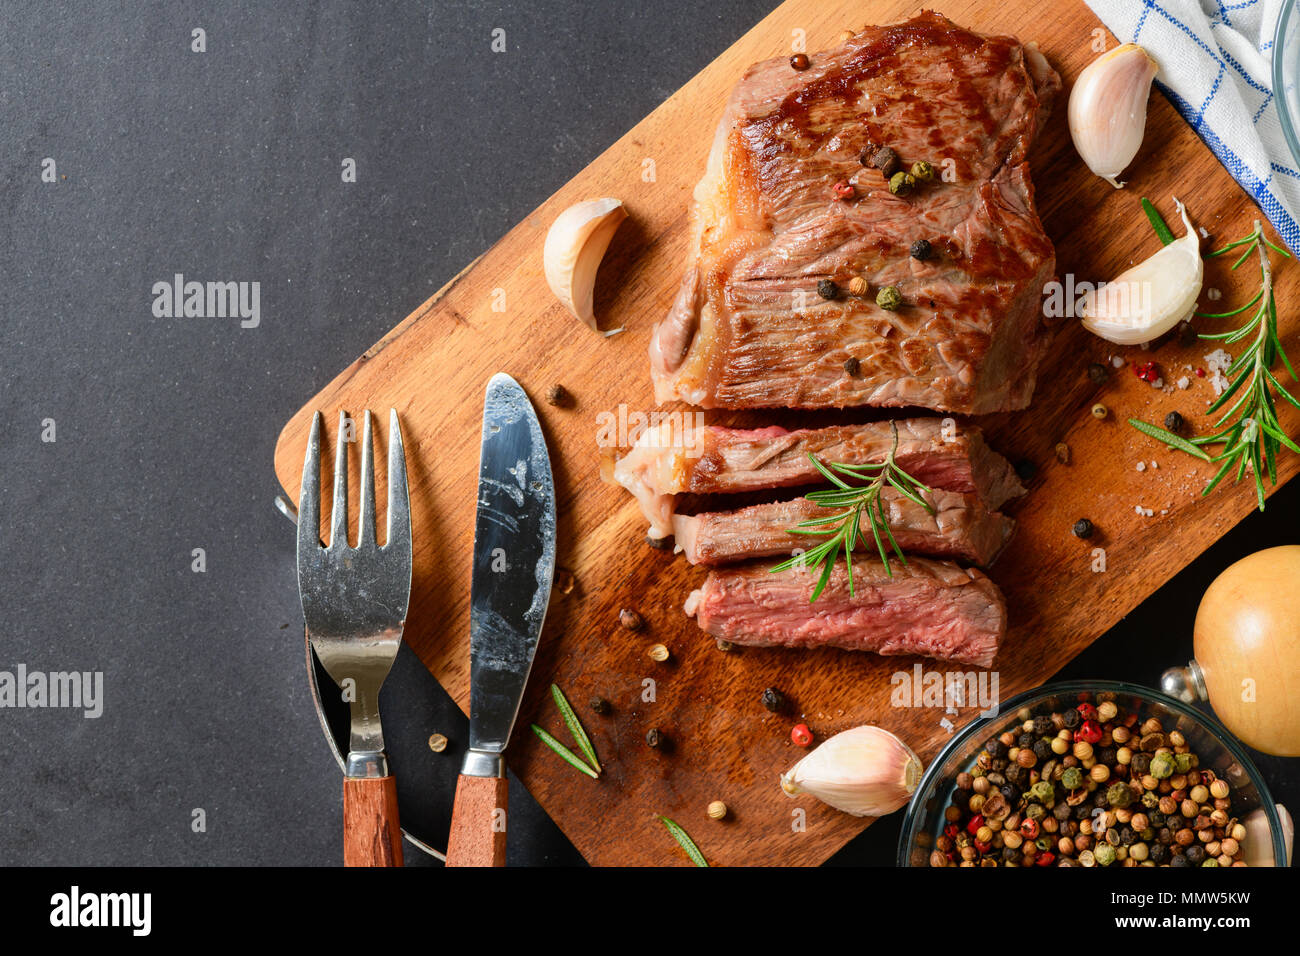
{"points": [[354, 601]]}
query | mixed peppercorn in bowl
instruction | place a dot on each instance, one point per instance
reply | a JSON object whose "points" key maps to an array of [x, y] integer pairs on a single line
{"points": [[1090, 774]]}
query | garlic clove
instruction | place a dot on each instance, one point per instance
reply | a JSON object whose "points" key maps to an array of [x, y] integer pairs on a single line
{"points": [[865, 771], [1149, 299], [575, 245], [1108, 109]]}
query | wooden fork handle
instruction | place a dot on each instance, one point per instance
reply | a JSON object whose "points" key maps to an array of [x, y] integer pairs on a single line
{"points": [[478, 822], [371, 834]]}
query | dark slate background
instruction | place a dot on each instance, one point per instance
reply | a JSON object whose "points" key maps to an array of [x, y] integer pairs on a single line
{"points": [[225, 165]]}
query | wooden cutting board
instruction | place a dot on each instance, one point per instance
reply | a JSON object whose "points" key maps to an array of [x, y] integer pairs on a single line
{"points": [[498, 315]]}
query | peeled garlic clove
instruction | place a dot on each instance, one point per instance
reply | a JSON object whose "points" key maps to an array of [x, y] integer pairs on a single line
{"points": [[1152, 297], [1257, 848], [574, 247], [1108, 109], [866, 771]]}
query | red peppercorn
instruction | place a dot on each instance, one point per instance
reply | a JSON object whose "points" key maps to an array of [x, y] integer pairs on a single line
{"points": [[801, 735], [843, 189], [1200, 373], [976, 822], [1087, 711], [1046, 858], [1029, 828], [951, 831], [982, 846], [1089, 731], [1147, 371]]}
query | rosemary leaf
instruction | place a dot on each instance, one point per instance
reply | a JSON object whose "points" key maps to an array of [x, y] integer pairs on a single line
{"points": [[684, 841], [568, 755], [575, 726], [1168, 437], [1158, 224]]}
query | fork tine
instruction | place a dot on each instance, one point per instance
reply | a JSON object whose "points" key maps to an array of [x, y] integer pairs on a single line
{"points": [[399, 496], [309, 495], [339, 514], [366, 524]]}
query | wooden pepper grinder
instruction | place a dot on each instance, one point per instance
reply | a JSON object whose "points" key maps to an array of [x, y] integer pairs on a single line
{"points": [[1247, 646]]}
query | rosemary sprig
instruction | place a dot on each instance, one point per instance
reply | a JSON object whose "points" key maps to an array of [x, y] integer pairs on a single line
{"points": [[685, 841], [563, 751], [1157, 223], [575, 726], [860, 502], [1248, 432]]}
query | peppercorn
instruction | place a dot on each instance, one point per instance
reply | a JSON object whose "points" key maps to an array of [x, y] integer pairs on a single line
{"points": [[921, 249], [1187, 336], [1099, 411], [1042, 791], [774, 700], [1159, 853], [889, 298], [1220, 789], [843, 189], [1042, 749], [437, 743], [1072, 778], [1141, 764], [557, 396], [1026, 469], [900, 184], [1071, 719], [724, 646], [630, 619], [1043, 726], [1082, 528], [1119, 795], [996, 748], [1097, 373], [599, 705], [1174, 422], [1162, 766], [1178, 860], [1182, 763], [800, 61], [801, 735], [852, 367], [885, 160], [654, 737], [1195, 855], [718, 810], [827, 289], [1104, 854]]}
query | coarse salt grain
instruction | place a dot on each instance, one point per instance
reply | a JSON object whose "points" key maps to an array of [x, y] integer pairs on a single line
{"points": [[1214, 295], [1158, 383], [1116, 361], [1142, 466], [1154, 463], [1204, 234], [1184, 382]]}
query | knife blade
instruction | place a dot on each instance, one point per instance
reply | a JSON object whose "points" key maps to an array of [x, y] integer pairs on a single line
{"points": [[510, 588]]}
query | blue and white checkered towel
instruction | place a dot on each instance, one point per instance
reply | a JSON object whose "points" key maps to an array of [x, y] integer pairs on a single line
{"points": [[1215, 61]]}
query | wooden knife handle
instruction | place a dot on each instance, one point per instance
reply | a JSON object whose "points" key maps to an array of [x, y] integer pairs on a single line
{"points": [[478, 823], [371, 834]]}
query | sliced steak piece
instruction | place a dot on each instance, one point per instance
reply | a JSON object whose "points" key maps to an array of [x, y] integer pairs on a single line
{"points": [[668, 461], [749, 329], [931, 608], [960, 527]]}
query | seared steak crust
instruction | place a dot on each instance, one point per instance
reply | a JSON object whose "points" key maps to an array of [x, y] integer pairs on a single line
{"points": [[749, 329]]}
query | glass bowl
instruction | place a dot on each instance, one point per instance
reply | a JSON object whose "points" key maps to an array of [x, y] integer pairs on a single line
{"points": [[1286, 75], [1208, 739]]}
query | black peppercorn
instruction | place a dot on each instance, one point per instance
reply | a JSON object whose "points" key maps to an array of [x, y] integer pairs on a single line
{"points": [[1026, 469], [1010, 793], [1126, 836], [600, 705], [1097, 373], [1159, 853], [885, 160], [1195, 854], [1107, 756], [1178, 860], [1082, 529], [921, 249], [1187, 336], [1042, 749], [1140, 763], [1062, 811], [1174, 422], [1165, 836], [853, 367], [1025, 740], [1071, 719], [827, 289], [1043, 726], [1082, 811], [773, 699], [558, 396], [961, 798], [1015, 774], [996, 748], [654, 737], [1010, 855]]}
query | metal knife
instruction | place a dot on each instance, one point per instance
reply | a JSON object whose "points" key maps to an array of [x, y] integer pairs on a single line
{"points": [[514, 563]]}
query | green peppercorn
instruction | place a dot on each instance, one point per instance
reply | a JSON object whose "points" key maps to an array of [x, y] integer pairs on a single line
{"points": [[827, 289], [1043, 792], [900, 184], [1182, 763], [1162, 766], [922, 171], [889, 298], [921, 249], [1072, 779], [1119, 795], [1104, 854]]}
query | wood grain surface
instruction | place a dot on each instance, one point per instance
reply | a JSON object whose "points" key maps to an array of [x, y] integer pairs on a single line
{"points": [[478, 822], [723, 744], [372, 833]]}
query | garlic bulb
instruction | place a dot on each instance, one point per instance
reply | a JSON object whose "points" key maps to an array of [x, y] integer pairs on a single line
{"points": [[1149, 299], [575, 244], [866, 771], [1108, 109]]}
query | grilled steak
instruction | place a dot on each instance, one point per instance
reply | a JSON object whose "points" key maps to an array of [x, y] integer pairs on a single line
{"points": [[960, 527], [668, 461], [930, 608], [749, 328]]}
